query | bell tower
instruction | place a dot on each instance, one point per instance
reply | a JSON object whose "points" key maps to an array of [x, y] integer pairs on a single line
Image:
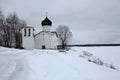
{"points": [[28, 37]]}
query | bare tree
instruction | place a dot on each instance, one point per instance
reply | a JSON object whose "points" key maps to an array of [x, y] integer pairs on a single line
{"points": [[2, 26], [10, 27], [15, 25], [64, 35], [1, 20]]}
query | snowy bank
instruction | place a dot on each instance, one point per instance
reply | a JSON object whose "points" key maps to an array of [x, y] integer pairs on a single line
{"points": [[54, 65]]}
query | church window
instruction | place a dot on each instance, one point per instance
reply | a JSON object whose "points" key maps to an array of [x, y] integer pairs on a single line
{"points": [[28, 32], [25, 32]]}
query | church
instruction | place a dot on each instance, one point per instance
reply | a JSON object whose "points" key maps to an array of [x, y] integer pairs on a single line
{"points": [[45, 39]]}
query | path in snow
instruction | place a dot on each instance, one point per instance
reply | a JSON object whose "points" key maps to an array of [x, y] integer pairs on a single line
{"points": [[13, 67]]}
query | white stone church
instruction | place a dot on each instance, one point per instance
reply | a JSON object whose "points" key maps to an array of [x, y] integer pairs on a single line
{"points": [[46, 39]]}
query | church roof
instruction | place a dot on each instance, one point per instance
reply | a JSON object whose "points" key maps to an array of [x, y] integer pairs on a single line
{"points": [[53, 32], [46, 22]]}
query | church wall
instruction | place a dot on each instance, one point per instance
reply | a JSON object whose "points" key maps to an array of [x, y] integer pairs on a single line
{"points": [[27, 38], [54, 41], [46, 28], [45, 39]]}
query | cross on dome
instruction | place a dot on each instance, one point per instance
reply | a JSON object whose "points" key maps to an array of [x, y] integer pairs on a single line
{"points": [[46, 14]]}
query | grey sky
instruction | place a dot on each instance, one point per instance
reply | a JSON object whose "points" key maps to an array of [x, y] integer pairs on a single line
{"points": [[91, 21]]}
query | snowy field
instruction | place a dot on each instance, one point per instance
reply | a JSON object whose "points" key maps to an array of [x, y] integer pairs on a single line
{"points": [[79, 63]]}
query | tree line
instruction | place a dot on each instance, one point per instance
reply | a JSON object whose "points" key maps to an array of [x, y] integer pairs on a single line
{"points": [[10, 27]]}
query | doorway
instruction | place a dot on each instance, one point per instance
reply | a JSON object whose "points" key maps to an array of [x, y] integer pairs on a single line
{"points": [[43, 47]]}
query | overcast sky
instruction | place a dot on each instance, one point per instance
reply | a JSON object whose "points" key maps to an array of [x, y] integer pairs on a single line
{"points": [[91, 21]]}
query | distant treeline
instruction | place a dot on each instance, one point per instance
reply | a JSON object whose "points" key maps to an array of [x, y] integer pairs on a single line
{"points": [[92, 45], [89, 45]]}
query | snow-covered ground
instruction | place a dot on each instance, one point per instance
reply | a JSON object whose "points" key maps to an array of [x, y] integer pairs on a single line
{"points": [[54, 65]]}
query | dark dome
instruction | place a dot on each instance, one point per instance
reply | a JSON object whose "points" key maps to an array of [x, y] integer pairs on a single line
{"points": [[46, 22]]}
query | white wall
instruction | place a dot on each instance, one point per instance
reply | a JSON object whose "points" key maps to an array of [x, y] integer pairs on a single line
{"points": [[54, 41], [46, 28], [28, 41], [47, 39]]}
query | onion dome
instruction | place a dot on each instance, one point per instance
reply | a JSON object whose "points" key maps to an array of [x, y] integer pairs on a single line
{"points": [[46, 22]]}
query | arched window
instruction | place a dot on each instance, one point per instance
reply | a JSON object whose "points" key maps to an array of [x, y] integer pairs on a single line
{"points": [[25, 32], [28, 32]]}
